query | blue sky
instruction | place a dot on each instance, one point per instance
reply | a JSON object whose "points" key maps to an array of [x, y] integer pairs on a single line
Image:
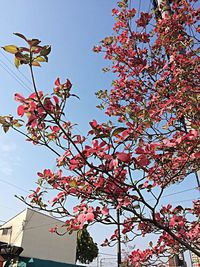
{"points": [[72, 27]]}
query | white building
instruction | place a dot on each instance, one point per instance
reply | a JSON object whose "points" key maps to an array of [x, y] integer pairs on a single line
{"points": [[30, 230]]}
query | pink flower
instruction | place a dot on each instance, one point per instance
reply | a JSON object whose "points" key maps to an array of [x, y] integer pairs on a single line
{"points": [[105, 211]]}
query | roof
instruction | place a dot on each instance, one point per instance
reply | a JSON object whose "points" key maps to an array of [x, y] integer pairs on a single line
{"points": [[36, 211]]}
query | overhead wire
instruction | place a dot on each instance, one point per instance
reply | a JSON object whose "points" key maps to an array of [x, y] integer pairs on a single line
{"points": [[42, 225], [18, 79], [48, 224], [185, 200], [176, 193], [13, 185], [172, 194], [24, 76], [14, 76], [179, 192]]}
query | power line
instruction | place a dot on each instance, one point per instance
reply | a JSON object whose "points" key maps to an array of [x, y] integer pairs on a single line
{"points": [[186, 200], [172, 194], [107, 254], [13, 185], [28, 80], [48, 224], [176, 193], [179, 192], [14, 76], [10, 73]]}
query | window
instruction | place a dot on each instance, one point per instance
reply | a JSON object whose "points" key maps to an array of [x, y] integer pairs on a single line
{"points": [[6, 231]]}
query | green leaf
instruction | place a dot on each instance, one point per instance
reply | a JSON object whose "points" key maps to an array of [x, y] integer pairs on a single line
{"points": [[2, 120], [40, 59], [17, 62], [39, 181], [35, 64], [73, 183], [17, 124], [101, 136], [151, 244], [46, 50], [35, 49], [11, 49], [20, 56], [118, 130], [50, 137]]}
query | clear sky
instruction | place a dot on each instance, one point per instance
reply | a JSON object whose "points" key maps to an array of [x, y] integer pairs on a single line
{"points": [[72, 27]]}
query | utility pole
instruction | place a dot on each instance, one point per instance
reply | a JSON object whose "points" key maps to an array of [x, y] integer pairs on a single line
{"points": [[162, 8], [119, 256], [198, 178]]}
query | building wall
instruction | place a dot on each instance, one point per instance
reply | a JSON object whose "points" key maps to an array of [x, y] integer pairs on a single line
{"points": [[14, 235], [30, 230], [39, 243], [195, 260]]}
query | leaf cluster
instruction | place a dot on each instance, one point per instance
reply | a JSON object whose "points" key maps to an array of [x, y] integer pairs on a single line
{"points": [[86, 250], [32, 55]]}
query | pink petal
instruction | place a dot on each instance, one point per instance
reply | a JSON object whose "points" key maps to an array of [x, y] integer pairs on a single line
{"points": [[89, 217], [19, 98], [20, 110], [123, 157], [57, 82]]}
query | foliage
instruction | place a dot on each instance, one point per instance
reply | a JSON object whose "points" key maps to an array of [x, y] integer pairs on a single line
{"points": [[155, 100], [86, 250]]}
